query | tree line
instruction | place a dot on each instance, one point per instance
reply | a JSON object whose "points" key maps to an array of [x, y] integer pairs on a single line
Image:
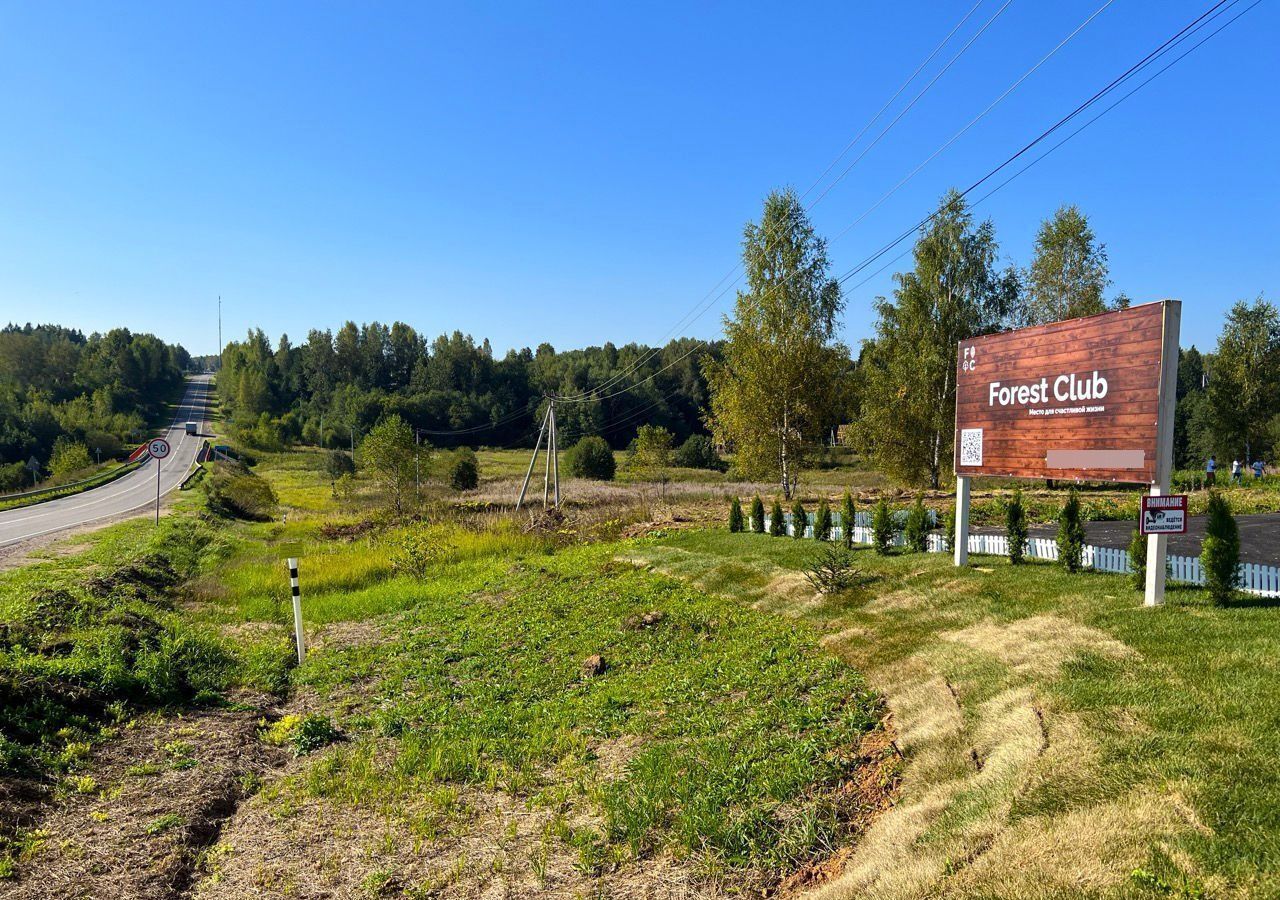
{"points": [[67, 399], [783, 381], [336, 386]]}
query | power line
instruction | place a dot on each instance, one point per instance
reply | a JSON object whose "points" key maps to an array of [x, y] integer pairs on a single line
{"points": [[1190, 28], [1173, 41], [706, 305], [701, 307]]}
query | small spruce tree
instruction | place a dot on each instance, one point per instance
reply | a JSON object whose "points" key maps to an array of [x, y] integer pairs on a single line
{"points": [[917, 528], [1015, 528], [735, 516], [799, 520], [883, 527], [1138, 559], [848, 515], [1220, 553], [757, 515], [1071, 534], [777, 524], [822, 521], [949, 529]]}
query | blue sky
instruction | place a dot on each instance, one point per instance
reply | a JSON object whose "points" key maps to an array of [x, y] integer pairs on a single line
{"points": [[576, 174]]}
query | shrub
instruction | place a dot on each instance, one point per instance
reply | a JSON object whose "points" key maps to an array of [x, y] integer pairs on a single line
{"points": [[1220, 554], [591, 458], [757, 515], [338, 463], [232, 491], [1015, 528], [799, 520], [777, 524], [949, 529], [917, 528], [1138, 559], [848, 515], [822, 521], [735, 516], [69, 457], [832, 570], [698, 452], [417, 550], [884, 528], [462, 469], [1071, 534]]}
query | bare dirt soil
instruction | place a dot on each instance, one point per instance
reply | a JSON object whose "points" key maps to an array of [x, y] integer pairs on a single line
{"points": [[134, 821]]}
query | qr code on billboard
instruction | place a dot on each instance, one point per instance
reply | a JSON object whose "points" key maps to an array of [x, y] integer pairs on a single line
{"points": [[970, 446]]}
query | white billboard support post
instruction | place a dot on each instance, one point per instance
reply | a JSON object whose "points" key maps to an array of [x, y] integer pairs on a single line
{"points": [[961, 549], [1158, 544]]}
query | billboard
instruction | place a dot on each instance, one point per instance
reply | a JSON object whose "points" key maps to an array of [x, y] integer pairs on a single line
{"points": [[1079, 400]]}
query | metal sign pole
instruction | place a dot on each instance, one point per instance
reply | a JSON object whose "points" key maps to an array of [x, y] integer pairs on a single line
{"points": [[159, 449], [1158, 544]]}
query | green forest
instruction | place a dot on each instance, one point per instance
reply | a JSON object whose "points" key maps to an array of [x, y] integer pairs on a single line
{"points": [[67, 399], [337, 386]]}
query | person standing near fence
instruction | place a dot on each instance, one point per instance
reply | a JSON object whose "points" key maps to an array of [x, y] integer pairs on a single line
{"points": [[1211, 471], [1235, 470], [1257, 469]]}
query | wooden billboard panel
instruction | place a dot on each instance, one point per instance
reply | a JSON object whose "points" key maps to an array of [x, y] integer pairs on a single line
{"points": [[1078, 400]]}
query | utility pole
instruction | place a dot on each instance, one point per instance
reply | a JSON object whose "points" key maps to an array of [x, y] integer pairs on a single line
{"points": [[220, 359], [552, 472]]}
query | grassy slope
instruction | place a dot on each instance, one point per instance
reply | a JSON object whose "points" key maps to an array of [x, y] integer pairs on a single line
{"points": [[1064, 740], [715, 734]]}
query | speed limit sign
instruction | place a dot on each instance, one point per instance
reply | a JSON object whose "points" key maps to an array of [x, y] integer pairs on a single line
{"points": [[159, 448]]}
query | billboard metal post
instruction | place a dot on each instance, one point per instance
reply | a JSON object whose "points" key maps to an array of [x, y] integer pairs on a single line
{"points": [[1158, 544], [961, 548]]}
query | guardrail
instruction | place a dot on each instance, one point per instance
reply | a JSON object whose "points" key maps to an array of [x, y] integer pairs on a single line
{"points": [[92, 481], [1260, 580]]}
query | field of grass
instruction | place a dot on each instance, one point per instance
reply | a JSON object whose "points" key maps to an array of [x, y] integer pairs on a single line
{"points": [[1061, 739], [638, 727]]}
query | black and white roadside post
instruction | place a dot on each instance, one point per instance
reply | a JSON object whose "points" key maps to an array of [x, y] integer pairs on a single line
{"points": [[1158, 544], [297, 608], [159, 449]]}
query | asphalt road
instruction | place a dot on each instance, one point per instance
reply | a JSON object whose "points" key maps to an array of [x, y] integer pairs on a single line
{"points": [[130, 493], [1259, 536]]}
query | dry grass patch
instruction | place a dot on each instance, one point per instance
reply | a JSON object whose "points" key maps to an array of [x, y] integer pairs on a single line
{"points": [[1038, 646]]}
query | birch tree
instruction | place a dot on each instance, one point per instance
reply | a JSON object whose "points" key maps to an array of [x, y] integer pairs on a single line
{"points": [[772, 393], [907, 377], [1244, 380], [1069, 272]]}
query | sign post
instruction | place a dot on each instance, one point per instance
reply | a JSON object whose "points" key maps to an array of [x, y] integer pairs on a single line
{"points": [[159, 449], [1158, 543], [297, 609], [1087, 399]]}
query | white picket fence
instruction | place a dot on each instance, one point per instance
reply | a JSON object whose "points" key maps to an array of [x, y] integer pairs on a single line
{"points": [[1264, 581]]}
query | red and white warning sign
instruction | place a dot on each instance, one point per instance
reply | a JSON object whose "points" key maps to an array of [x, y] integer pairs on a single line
{"points": [[1164, 514]]}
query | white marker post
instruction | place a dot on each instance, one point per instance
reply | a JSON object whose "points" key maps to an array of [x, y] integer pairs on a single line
{"points": [[159, 449], [961, 548], [297, 609], [1158, 544]]}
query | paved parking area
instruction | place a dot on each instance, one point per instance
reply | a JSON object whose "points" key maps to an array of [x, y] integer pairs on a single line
{"points": [[1259, 537]]}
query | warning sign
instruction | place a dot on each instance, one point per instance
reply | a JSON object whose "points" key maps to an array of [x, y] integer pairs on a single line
{"points": [[1165, 514]]}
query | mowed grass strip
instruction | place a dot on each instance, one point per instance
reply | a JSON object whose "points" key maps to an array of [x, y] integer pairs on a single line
{"points": [[739, 730], [1062, 739]]}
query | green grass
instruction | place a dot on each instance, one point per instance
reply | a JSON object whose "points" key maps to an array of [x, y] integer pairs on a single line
{"points": [[742, 727], [85, 638], [1173, 709]]}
